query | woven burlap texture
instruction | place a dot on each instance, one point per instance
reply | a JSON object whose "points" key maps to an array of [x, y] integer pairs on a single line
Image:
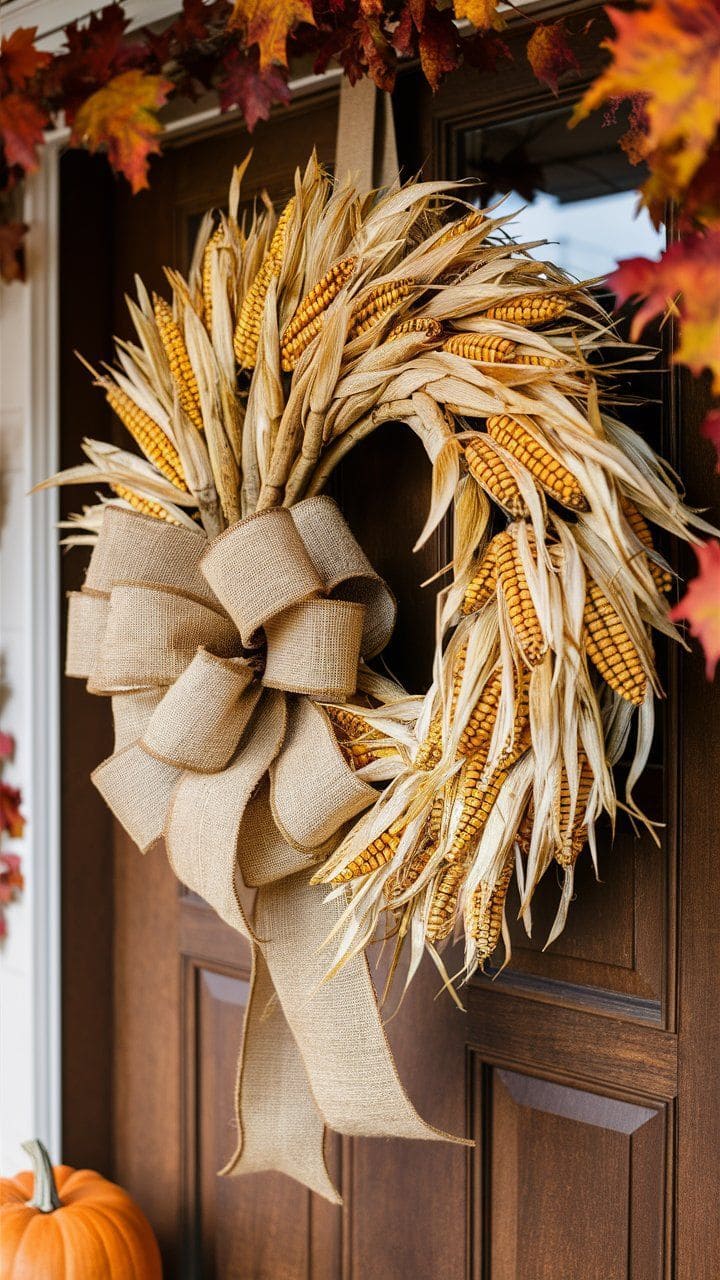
{"points": [[249, 789]]}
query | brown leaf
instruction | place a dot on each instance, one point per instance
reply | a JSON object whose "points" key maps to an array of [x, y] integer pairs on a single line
{"points": [[439, 46], [549, 53], [122, 118], [12, 267], [243, 84]]}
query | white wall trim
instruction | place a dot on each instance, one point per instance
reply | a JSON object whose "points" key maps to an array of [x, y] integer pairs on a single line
{"points": [[42, 441]]}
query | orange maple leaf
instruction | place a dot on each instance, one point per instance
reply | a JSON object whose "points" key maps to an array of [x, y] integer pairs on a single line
{"points": [[19, 59], [268, 23], [121, 117], [700, 605], [482, 14], [667, 52], [549, 53], [686, 276]]}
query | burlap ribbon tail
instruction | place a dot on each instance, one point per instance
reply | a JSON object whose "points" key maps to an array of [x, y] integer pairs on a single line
{"points": [[217, 657]]}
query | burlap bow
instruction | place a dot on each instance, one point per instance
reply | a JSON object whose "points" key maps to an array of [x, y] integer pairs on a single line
{"points": [[216, 657]]}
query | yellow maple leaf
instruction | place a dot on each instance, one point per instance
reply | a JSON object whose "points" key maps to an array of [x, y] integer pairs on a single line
{"points": [[482, 14], [666, 54], [268, 23], [122, 119]]}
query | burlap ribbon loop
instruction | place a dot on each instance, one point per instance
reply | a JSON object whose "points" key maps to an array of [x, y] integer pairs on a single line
{"points": [[206, 651]]}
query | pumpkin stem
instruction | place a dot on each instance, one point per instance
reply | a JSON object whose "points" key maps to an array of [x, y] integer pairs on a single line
{"points": [[45, 1193]]}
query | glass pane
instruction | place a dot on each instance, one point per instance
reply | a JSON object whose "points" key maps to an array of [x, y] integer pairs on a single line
{"points": [[573, 187]]}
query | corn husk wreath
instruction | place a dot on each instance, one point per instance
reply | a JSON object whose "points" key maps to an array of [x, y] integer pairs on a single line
{"points": [[292, 339]]}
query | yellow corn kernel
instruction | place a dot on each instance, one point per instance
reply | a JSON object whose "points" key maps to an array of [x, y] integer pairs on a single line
{"points": [[494, 476], [478, 798], [381, 299], [640, 527], [551, 475], [484, 912], [145, 505], [147, 433], [572, 838], [377, 854], [432, 329], [430, 750], [216, 239], [443, 904], [178, 360], [484, 347], [471, 220], [521, 610], [308, 319], [482, 586], [530, 308], [610, 648]]}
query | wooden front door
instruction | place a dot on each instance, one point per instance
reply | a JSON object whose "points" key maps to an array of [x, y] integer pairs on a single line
{"points": [[585, 1074]]}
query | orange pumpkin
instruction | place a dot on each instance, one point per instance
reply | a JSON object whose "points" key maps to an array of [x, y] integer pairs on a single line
{"points": [[56, 1223]]}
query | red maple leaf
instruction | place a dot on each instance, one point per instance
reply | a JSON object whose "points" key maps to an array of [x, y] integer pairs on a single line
{"points": [[549, 53], [7, 746], [686, 275], [439, 46], [711, 430], [379, 55], [11, 819], [22, 129], [700, 605], [242, 84], [12, 267], [20, 61]]}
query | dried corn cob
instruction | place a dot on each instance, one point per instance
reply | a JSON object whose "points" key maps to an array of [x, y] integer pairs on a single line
{"points": [[148, 435], [551, 475], [432, 329], [484, 347], [179, 361], [377, 853], [530, 308], [611, 649], [536, 361], [357, 739], [475, 737], [523, 835], [377, 303], [468, 223], [406, 875], [145, 505], [307, 320], [443, 905], [216, 239], [640, 527], [521, 610], [482, 586], [484, 912], [430, 750], [247, 329], [494, 476], [573, 838], [478, 798]]}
